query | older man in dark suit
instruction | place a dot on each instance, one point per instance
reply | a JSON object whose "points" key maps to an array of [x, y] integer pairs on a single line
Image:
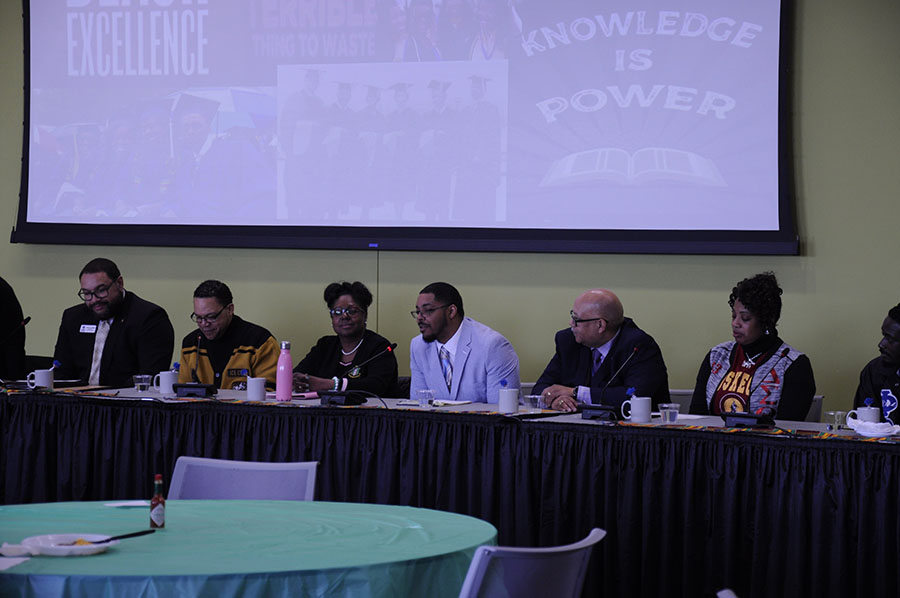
{"points": [[600, 355]]}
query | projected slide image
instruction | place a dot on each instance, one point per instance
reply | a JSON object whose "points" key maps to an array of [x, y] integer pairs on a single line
{"points": [[413, 145], [386, 118]]}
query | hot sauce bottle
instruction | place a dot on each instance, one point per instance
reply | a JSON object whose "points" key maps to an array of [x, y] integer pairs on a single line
{"points": [[158, 504]]}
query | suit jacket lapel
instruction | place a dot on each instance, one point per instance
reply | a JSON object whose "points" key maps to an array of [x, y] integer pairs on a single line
{"points": [[463, 348], [607, 368]]}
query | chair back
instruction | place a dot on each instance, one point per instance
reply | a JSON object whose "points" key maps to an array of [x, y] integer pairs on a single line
{"points": [[683, 397], [197, 477], [557, 571], [815, 409]]}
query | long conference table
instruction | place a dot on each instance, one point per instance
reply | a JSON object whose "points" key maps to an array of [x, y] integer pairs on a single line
{"points": [[689, 509]]}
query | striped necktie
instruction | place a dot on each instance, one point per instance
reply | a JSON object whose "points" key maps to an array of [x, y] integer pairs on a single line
{"points": [[446, 366], [99, 341]]}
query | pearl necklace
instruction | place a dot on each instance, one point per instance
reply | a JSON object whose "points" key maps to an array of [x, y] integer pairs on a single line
{"points": [[353, 350]]}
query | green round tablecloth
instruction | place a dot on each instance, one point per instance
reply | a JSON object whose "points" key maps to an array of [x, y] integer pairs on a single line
{"points": [[220, 548]]}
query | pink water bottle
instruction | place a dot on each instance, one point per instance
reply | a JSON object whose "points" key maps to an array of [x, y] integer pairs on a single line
{"points": [[284, 377]]}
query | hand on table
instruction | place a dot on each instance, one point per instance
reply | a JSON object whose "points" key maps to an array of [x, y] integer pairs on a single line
{"points": [[306, 383], [560, 398]]}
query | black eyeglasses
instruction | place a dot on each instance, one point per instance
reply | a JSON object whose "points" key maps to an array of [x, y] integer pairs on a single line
{"points": [[207, 319], [337, 312], [576, 320], [100, 292], [426, 311]]}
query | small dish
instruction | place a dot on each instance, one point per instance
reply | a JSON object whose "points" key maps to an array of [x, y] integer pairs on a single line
{"points": [[52, 544]]}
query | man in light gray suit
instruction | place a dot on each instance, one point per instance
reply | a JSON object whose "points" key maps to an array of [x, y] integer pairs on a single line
{"points": [[457, 357]]}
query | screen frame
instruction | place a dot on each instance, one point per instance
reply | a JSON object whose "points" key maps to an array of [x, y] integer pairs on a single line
{"points": [[784, 241]]}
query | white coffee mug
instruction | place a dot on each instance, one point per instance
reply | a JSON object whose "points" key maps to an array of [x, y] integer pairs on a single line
{"points": [[509, 400], [42, 378], [256, 389], [638, 409], [866, 414], [163, 381]]}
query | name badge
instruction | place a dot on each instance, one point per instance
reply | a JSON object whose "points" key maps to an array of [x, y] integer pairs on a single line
{"points": [[92, 328]]}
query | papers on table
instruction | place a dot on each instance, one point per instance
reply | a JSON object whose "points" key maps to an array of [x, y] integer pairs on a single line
{"points": [[434, 403], [296, 395], [126, 504], [7, 562]]}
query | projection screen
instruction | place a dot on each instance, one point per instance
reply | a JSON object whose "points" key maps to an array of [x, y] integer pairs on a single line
{"points": [[507, 125]]}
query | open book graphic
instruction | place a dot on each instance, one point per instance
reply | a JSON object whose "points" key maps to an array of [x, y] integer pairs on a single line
{"points": [[648, 164]]}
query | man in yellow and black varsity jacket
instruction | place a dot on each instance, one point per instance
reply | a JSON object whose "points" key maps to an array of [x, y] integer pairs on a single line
{"points": [[225, 349]]}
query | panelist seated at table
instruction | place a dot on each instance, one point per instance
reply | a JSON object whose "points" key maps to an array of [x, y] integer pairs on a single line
{"points": [[455, 356], [600, 356], [355, 358], [757, 372], [114, 334], [12, 334], [225, 349], [880, 379]]}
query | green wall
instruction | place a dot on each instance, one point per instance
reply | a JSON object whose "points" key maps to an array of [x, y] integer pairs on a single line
{"points": [[846, 113]]}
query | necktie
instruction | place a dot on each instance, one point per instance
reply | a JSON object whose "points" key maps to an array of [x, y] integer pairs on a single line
{"points": [[99, 341], [598, 359], [446, 366]]}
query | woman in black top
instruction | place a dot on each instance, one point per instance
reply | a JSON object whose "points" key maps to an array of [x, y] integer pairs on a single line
{"points": [[340, 362]]}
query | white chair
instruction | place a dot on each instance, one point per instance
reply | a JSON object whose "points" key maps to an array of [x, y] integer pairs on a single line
{"points": [[815, 409], [197, 477], [683, 397], [557, 571]]}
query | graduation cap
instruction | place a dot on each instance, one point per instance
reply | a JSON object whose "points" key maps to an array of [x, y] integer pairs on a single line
{"points": [[157, 107], [191, 104], [401, 87], [439, 85], [312, 74]]}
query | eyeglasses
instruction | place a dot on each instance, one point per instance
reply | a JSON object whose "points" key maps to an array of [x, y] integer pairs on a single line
{"points": [[337, 312], [207, 319], [426, 311], [100, 292], [576, 320]]}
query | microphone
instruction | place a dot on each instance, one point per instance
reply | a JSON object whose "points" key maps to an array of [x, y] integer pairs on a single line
{"points": [[389, 349], [19, 327], [353, 397], [196, 362], [624, 363], [765, 410]]}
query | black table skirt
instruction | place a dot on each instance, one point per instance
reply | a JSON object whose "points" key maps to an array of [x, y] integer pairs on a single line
{"points": [[688, 512]]}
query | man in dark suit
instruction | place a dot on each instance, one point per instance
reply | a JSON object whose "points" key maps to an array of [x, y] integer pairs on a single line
{"points": [[600, 356], [12, 334], [114, 334]]}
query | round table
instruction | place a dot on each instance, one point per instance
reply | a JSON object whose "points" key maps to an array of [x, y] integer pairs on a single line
{"points": [[220, 548]]}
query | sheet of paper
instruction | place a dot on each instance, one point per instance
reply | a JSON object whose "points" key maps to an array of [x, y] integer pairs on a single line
{"points": [[296, 395], [7, 562], [124, 504]]}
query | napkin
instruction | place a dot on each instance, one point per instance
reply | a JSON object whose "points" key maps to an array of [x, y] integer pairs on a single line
{"points": [[6, 563], [872, 429], [16, 550]]}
